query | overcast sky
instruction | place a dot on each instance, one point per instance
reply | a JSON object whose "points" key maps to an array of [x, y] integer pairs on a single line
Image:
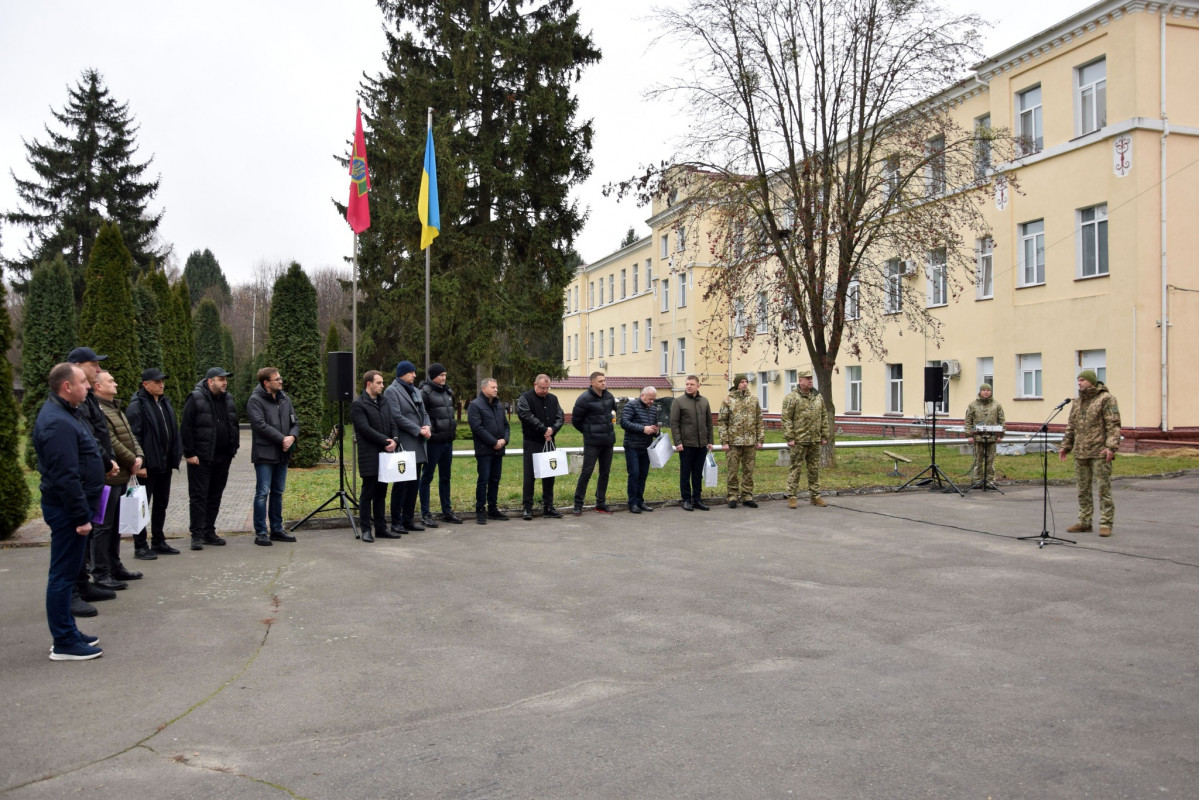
{"points": [[242, 106]]}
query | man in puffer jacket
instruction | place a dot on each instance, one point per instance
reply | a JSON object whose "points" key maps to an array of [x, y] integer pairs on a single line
{"points": [[439, 449], [594, 415], [1093, 435], [640, 422], [210, 440]]}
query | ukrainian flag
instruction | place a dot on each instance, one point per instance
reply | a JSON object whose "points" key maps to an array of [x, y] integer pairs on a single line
{"points": [[427, 208]]}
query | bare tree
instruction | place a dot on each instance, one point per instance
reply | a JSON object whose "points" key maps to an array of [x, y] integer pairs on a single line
{"points": [[825, 158], [333, 299], [250, 307]]}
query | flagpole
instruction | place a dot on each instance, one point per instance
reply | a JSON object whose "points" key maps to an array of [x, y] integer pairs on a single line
{"points": [[354, 365], [428, 260]]}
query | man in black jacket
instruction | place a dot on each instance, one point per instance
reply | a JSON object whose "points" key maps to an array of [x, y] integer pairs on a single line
{"points": [[489, 427], [273, 430], [640, 422], [439, 405], [371, 417], [153, 421], [595, 416], [210, 440], [541, 418]]}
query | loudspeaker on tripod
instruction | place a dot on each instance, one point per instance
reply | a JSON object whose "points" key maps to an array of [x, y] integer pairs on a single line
{"points": [[340, 376], [934, 385]]}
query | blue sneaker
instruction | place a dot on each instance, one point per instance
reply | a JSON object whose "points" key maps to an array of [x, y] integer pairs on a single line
{"points": [[74, 652], [90, 641]]}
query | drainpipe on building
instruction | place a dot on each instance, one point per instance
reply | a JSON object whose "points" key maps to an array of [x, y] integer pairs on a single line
{"points": [[1165, 318]]}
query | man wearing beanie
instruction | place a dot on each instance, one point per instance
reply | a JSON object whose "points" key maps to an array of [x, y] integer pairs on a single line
{"points": [[1093, 435], [439, 405], [983, 411], [412, 431], [742, 433]]}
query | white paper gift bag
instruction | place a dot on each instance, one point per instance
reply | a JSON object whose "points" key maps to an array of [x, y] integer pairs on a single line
{"points": [[660, 451], [549, 463], [398, 467], [134, 510], [711, 471]]}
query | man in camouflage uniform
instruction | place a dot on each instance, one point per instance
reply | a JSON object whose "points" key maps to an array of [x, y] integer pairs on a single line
{"points": [[983, 411], [741, 433], [806, 428], [1093, 435]]}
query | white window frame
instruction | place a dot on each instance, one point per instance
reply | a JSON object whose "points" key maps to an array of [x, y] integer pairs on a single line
{"points": [[1093, 257], [1092, 359], [791, 376], [612, 288], [601, 343], [649, 273], [591, 345], [636, 280], [937, 274], [934, 170], [1028, 375], [591, 295], [624, 338], [762, 323], [982, 147], [682, 290], [1090, 98], [764, 390], [894, 388], [853, 300], [664, 249], [601, 291], [664, 293], [1032, 253], [680, 239], [893, 284], [985, 371], [612, 341], [649, 334], [636, 335], [1030, 126], [740, 319], [624, 284], [853, 389], [984, 268], [682, 355], [890, 180], [665, 357]]}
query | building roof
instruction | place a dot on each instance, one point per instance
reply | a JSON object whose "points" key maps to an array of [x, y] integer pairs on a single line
{"points": [[581, 382]]}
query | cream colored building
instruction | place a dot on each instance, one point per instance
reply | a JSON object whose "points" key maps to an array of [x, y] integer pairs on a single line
{"points": [[1090, 255]]}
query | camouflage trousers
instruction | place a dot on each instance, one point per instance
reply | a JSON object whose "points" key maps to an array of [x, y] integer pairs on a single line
{"points": [[740, 461], [804, 454], [1098, 471], [982, 451]]}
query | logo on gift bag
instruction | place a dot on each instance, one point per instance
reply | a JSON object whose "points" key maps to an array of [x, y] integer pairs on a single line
{"points": [[402, 466], [553, 463]]}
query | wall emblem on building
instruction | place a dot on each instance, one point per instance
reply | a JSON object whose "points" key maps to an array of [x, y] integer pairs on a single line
{"points": [[1122, 155], [1001, 193]]}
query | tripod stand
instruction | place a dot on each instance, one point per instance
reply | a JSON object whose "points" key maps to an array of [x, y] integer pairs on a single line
{"points": [[936, 477], [346, 501], [1044, 538], [983, 438]]}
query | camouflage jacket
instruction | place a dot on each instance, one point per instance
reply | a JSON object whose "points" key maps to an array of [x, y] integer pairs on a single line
{"points": [[805, 418], [741, 420], [983, 412], [1094, 424]]}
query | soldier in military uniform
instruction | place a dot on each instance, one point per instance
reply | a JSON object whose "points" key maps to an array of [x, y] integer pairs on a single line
{"points": [[806, 428], [741, 433], [983, 411], [1093, 435]]}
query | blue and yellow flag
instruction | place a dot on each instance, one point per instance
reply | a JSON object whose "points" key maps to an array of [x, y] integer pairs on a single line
{"points": [[427, 207]]}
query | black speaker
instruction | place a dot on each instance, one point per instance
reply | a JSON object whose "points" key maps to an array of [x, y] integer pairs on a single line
{"points": [[934, 385], [340, 376]]}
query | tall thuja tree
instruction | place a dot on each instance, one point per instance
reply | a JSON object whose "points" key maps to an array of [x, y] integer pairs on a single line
{"points": [[84, 173], [107, 323], [48, 333], [510, 151], [210, 352], [294, 348], [228, 357], [149, 328], [205, 278], [171, 335], [181, 355], [14, 493]]}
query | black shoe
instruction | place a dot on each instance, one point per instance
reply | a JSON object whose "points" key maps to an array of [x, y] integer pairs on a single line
{"points": [[733, 504], [282, 536], [701, 506], [551, 512], [122, 574], [495, 513], [165, 549], [367, 536], [751, 504], [634, 509], [527, 516], [452, 518], [577, 511], [687, 505], [94, 594], [481, 517], [428, 521], [145, 554], [262, 540], [82, 608], [388, 535], [197, 544], [602, 508], [646, 508], [108, 582], [413, 527], [214, 540]]}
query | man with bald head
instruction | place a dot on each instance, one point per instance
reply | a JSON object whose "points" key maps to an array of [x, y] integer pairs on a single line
{"points": [[541, 418], [640, 422]]}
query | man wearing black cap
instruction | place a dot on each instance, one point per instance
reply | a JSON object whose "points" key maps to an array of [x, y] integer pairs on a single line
{"points": [[153, 421], [439, 405], [413, 430], [210, 440]]}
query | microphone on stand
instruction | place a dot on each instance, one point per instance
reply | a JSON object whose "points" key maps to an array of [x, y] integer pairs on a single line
{"points": [[1062, 404]]}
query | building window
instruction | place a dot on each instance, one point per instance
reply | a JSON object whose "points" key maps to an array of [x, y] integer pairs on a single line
{"points": [[1032, 253], [891, 176], [791, 376], [1092, 241], [576, 346], [762, 319], [853, 389], [1028, 119], [682, 355], [853, 300], [934, 170], [636, 335], [984, 267], [591, 295], [649, 272], [1028, 374], [895, 388], [624, 339], [624, 284], [942, 406], [986, 371], [612, 288], [682, 290], [649, 334], [665, 357], [938, 281], [1090, 98], [764, 390], [664, 250], [681, 237], [893, 277], [982, 147], [739, 318], [591, 345], [612, 341], [1093, 359], [636, 276], [664, 293], [601, 294], [601, 343]]}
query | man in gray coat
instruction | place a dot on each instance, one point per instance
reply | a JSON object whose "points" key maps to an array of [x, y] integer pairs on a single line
{"points": [[411, 422], [274, 428]]}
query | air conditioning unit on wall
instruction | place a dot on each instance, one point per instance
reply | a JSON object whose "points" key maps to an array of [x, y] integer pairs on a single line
{"points": [[952, 367], [603, 364], [909, 268], [772, 375]]}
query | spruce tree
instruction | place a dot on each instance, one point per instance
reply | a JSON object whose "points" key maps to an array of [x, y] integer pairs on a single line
{"points": [[14, 493], [206, 279], [509, 153], [171, 332], [107, 323], [209, 350], [83, 174], [149, 328], [48, 333], [294, 348]]}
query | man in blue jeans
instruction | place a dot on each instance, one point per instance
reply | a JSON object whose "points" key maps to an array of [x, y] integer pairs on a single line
{"points": [[274, 428], [72, 470]]}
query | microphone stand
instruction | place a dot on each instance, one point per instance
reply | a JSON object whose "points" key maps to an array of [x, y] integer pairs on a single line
{"points": [[1044, 538]]}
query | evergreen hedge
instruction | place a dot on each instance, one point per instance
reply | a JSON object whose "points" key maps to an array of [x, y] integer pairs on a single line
{"points": [[209, 350], [294, 348], [14, 493], [181, 355], [48, 333], [149, 330], [107, 323]]}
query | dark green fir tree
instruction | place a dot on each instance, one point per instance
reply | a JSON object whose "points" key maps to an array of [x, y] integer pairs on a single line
{"points": [[48, 333], [182, 353], [206, 279], [294, 348], [149, 328], [107, 323]]}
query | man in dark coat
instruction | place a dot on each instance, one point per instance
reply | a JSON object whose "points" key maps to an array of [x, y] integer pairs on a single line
{"points": [[541, 418], [439, 405], [210, 441], [595, 416], [691, 424], [72, 470], [489, 427], [273, 430], [412, 429], [371, 417], [640, 422], [153, 421]]}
